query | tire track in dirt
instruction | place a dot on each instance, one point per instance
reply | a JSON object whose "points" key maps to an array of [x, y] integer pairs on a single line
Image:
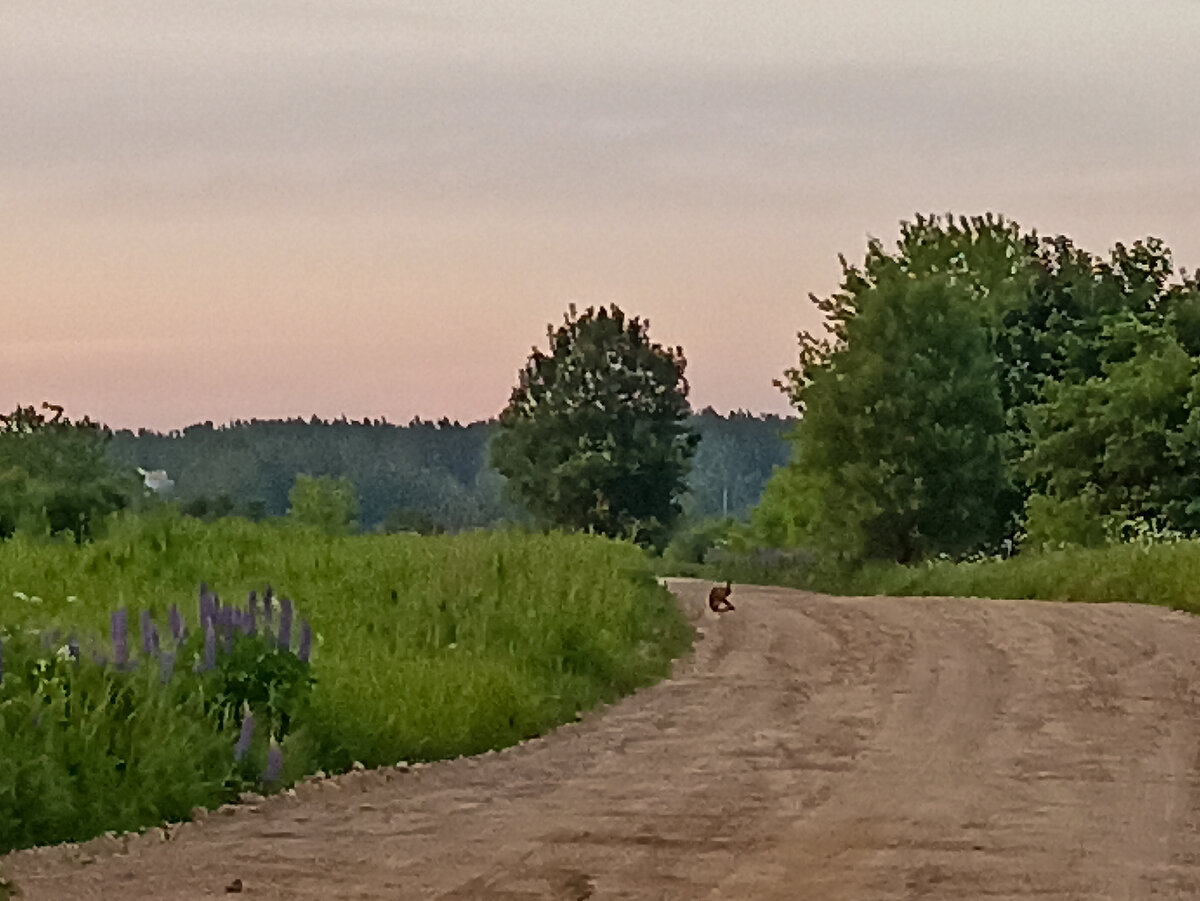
{"points": [[812, 747]]}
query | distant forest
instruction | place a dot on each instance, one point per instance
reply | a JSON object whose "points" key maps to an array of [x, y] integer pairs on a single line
{"points": [[423, 475]]}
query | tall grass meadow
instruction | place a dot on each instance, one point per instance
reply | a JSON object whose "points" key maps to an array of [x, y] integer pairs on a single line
{"points": [[402, 647]]}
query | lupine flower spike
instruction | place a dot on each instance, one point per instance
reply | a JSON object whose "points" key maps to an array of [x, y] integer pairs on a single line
{"points": [[178, 629], [210, 648], [246, 734], [149, 634], [120, 637], [285, 624], [274, 762]]}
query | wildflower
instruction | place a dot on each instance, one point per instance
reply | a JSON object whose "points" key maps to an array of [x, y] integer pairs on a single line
{"points": [[178, 629], [268, 598], [285, 624], [304, 652], [274, 762], [247, 732], [243, 621], [209, 660], [120, 637], [208, 605], [149, 634]]}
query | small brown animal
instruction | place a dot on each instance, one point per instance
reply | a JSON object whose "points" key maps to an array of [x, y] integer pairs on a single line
{"points": [[718, 598]]}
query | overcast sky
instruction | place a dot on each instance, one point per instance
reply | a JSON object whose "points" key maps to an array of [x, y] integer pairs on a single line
{"points": [[213, 209]]}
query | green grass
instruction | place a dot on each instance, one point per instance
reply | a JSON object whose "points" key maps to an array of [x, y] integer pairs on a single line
{"points": [[427, 647], [1166, 575]]}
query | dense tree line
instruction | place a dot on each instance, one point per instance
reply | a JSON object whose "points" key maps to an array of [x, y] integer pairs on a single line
{"points": [[423, 476], [981, 387], [249, 467]]}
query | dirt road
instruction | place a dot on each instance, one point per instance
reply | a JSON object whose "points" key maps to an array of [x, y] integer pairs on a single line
{"points": [[813, 748]]}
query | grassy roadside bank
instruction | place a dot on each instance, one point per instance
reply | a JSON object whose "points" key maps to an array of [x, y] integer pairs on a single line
{"points": [[1166, 575], [422, 648]]}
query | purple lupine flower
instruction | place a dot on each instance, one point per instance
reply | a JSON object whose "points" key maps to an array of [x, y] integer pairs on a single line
{"points": [[268, 603], [120, 637], [304, 652], [247, 733], [224, 627], [208, 609], [274, 762], [243, 621], [209, 660], [178, 628], [252, 612], [149, 634], [285, 623], [166, 666]]}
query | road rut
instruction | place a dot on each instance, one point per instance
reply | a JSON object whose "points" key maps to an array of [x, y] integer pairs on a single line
{"points": [[811, 748]]}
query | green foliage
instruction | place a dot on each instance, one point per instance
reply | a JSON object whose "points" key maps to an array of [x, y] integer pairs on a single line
{"points": [[594, 436], [1127, 439], [424, 647], [408, 519], [325, 503], [247, 468], [1164, 574], [693, 542], [435, 475], [87, 749], [979, 382], [54, 476], [1055, 522], [735, 456], [903, 427]]}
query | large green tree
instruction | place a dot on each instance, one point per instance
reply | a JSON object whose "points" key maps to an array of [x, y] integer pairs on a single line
{"points": [[902, 450], [595, 434], [54, 474], [903, 432]]}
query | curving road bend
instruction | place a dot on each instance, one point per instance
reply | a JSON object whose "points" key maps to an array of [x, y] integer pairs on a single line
{"points": [[811, 748]]}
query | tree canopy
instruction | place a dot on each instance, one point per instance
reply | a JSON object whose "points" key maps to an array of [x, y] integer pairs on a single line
{"points": [[55, 475], [980, 384], [595, 434]]}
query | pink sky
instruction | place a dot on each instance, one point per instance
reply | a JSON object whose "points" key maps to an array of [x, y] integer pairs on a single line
{"points": [[263, 208]]}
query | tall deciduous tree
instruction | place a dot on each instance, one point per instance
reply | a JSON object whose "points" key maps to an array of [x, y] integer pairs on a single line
{"points": [[594, 436], [904, 428]]}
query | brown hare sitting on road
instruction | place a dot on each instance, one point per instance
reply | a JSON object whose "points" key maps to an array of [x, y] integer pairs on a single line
{"points": [[718, 598]]}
